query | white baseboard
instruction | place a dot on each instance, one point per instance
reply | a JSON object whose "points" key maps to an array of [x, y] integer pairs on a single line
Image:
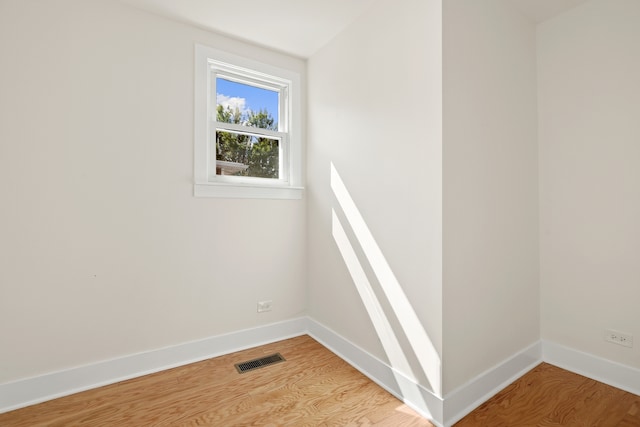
{"points": [[463, 400], [38, 389], [469, 396], [594, 367], [466, 398], [441, 411], [414, 395]]}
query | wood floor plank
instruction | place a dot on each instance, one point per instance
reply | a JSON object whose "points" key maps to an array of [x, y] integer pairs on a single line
{"points": [[632, 417]]}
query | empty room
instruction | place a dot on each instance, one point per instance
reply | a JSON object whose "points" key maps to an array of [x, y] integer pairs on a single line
{"points": [[331, 212]]}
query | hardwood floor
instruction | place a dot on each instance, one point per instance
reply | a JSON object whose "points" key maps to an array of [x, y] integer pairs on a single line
{"points": [[549, 396], [313, 387]]}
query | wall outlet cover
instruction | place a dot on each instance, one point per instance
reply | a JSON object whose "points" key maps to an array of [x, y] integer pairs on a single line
{"points": [[264, 306], [620, 338]]}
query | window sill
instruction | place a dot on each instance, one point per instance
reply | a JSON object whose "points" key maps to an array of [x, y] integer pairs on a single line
{"points": [[247, 191]]}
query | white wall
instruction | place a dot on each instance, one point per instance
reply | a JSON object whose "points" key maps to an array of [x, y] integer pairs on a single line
{"points": [[104, 251], [375, 114], [490, 237], [589, 127]]}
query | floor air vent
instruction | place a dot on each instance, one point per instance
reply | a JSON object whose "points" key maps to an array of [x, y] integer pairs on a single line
{"points": [[259, 363]]}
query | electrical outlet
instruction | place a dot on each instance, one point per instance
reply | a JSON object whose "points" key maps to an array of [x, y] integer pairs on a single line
{"points": [[264, 306], [618, 337]]}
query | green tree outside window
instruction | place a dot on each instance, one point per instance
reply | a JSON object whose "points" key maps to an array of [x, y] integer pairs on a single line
{"points": [[261, 154]]}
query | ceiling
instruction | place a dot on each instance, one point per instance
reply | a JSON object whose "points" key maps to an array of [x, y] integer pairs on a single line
{"points": [[296, 27]]}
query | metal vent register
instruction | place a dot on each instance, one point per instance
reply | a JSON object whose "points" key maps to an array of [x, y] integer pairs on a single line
{"points": [[259, 363]]}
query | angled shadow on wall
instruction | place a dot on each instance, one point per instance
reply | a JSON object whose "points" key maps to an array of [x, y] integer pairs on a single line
{"points": [[424, 352]]}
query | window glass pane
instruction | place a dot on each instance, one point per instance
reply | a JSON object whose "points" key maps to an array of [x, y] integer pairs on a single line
{"points": [[247, 155], [246, 105]]}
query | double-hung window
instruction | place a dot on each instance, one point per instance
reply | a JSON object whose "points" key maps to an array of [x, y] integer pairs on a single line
{"points": [[247, 133]]}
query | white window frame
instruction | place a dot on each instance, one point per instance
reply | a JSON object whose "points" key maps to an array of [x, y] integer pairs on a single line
{"points": [[211, 63]]}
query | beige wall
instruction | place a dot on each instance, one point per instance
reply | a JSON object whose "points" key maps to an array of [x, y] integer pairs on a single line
{"points": [[375, 114], [104, 251], [490, 191], [589, 110]]}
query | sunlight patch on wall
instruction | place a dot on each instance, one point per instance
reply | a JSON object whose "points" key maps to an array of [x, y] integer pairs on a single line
{"points": [[420, 342], [392, 347]]}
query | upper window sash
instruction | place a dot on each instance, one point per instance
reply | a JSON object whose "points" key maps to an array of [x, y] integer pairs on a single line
{"points": [[260, 80]]}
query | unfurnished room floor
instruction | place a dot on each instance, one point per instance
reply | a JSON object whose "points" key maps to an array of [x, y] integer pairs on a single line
{"points": [[313, 387], [549, 396]]}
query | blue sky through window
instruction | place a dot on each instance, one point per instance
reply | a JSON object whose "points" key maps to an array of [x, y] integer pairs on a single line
{"points": [[246, 97]]}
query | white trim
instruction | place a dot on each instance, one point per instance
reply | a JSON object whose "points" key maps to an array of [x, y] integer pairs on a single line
{"points": [[597, 368], [291, 184], [251, 131], [425, 402], [441, 412], [34, 390], [244, 191], [469, 396]]}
